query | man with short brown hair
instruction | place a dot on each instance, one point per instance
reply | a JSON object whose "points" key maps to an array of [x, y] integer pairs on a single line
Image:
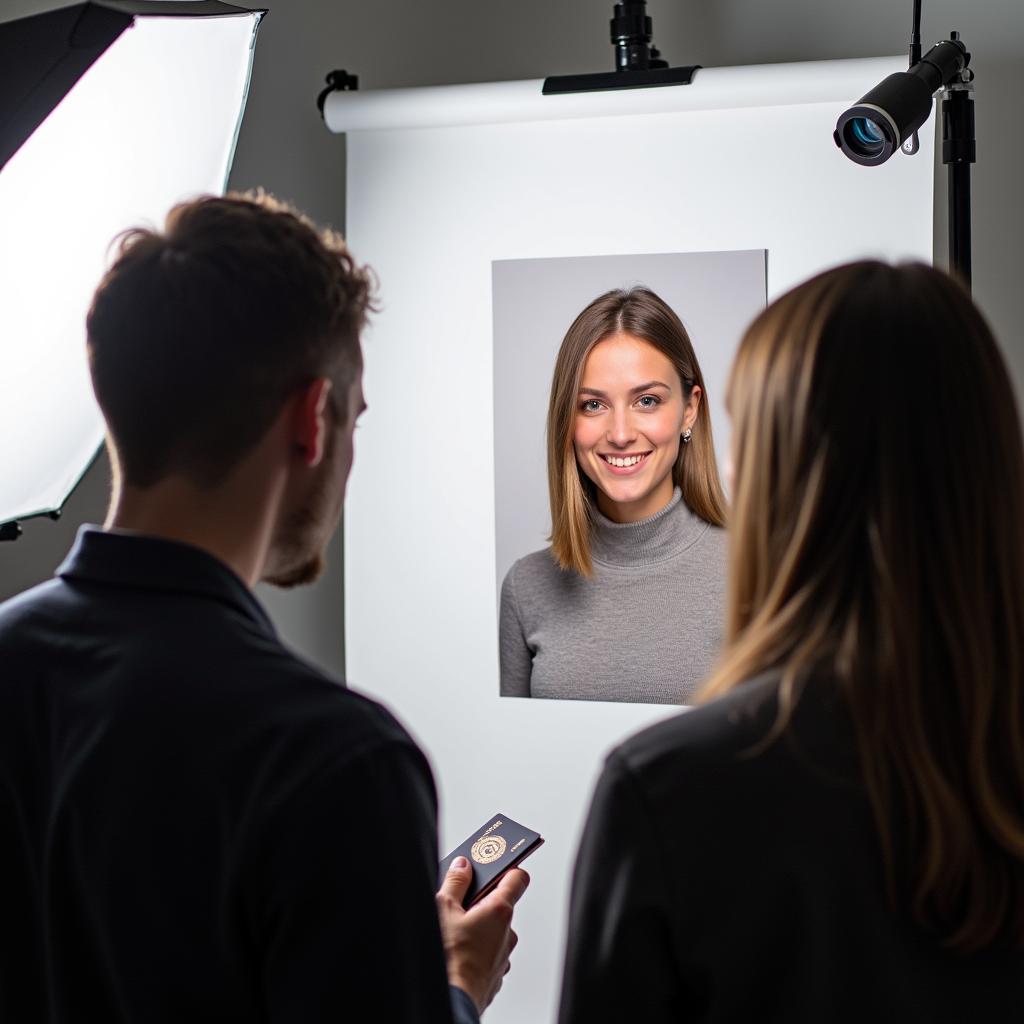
{"points": [[195, 824]]}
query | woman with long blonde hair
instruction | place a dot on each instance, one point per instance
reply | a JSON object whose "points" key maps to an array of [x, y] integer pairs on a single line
{"points": [[628, 603], [838, 835]]}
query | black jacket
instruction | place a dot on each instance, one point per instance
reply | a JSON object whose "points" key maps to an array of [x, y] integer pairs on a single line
{"points": [[718, 885], [195, 825]]}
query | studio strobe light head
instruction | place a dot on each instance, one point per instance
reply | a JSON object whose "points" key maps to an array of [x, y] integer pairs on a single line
{"points": [[883, 119]]}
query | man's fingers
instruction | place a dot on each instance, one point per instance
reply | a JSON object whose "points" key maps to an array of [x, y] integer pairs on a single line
{"points": [[512, 885], [513, 941], [456, 880]]}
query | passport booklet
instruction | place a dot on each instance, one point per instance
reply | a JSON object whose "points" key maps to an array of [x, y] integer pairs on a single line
{"points": [[498, 845]]}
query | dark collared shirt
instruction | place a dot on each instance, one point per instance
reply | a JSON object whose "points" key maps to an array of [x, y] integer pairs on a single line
{"points": [[196, 825]]}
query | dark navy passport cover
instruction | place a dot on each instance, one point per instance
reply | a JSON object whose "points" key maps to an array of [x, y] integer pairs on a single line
{"points": [[499, 844]]}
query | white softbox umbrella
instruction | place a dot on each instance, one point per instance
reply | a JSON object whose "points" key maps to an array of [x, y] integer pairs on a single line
{"points": [[110, 112]]}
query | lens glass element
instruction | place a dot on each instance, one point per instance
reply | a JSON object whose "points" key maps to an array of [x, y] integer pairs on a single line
{"points": [[866, 131], [864, 137]]}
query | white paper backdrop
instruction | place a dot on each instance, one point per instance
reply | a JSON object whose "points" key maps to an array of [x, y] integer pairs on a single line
{"points": [[430, 207]]}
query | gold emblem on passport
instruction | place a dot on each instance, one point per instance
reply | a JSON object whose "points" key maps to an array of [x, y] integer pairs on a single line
{"points": [[487, 849]]}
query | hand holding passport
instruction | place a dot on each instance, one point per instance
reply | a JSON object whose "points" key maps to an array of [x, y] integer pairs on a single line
{"points": [[497, 846], [479, 941]]}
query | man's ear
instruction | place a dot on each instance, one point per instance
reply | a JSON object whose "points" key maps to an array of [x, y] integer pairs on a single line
{"points": [[310, 420]]}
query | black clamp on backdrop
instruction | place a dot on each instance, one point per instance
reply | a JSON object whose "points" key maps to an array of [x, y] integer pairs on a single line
{"points": [[337, 81], [638, 64]]}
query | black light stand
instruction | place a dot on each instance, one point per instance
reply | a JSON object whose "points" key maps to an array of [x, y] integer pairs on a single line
{"points": [[959, 151], [638, 64]]}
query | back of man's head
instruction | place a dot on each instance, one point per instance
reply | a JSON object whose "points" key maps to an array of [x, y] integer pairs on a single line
{"points": [[198, 334]]}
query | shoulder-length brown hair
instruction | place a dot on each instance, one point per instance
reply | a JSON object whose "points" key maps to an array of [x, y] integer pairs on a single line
{"points": [[877, 539], [641, 313]]}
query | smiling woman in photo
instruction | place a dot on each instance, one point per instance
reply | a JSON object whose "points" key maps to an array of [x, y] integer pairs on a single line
{"points": [[627, 603]]}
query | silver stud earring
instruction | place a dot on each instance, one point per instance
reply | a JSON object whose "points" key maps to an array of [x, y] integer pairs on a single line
{"points": [[687, 434]]}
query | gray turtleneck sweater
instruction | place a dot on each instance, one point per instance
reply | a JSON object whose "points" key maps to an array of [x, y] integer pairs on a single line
{"points": [[645, 628]]}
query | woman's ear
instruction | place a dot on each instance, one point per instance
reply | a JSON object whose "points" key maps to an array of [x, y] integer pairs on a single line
{"points": [[692, 407], [310, 420]]}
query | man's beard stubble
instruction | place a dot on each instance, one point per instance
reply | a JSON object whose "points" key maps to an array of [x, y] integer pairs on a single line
{"points": [[300, 561], [299, 551], [308, 572]]}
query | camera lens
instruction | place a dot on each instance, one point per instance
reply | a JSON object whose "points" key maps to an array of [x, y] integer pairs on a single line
{"points": [[865, 130], [864, 136], [886, 116]]}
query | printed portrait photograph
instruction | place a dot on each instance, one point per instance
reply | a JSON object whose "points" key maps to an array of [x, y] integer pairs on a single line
{"points": [[611, 438]]}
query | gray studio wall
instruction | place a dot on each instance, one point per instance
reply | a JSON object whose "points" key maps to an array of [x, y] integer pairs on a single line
{"points": [[284, 147]]}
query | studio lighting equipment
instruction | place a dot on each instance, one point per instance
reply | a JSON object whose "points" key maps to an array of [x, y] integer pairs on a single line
{"points": [[887, 118], [111, 111], [879, 123], [638, 64], [631, 37]]}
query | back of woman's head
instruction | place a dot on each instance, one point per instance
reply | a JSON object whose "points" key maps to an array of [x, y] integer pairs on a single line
{"points": [[877, 538]]}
